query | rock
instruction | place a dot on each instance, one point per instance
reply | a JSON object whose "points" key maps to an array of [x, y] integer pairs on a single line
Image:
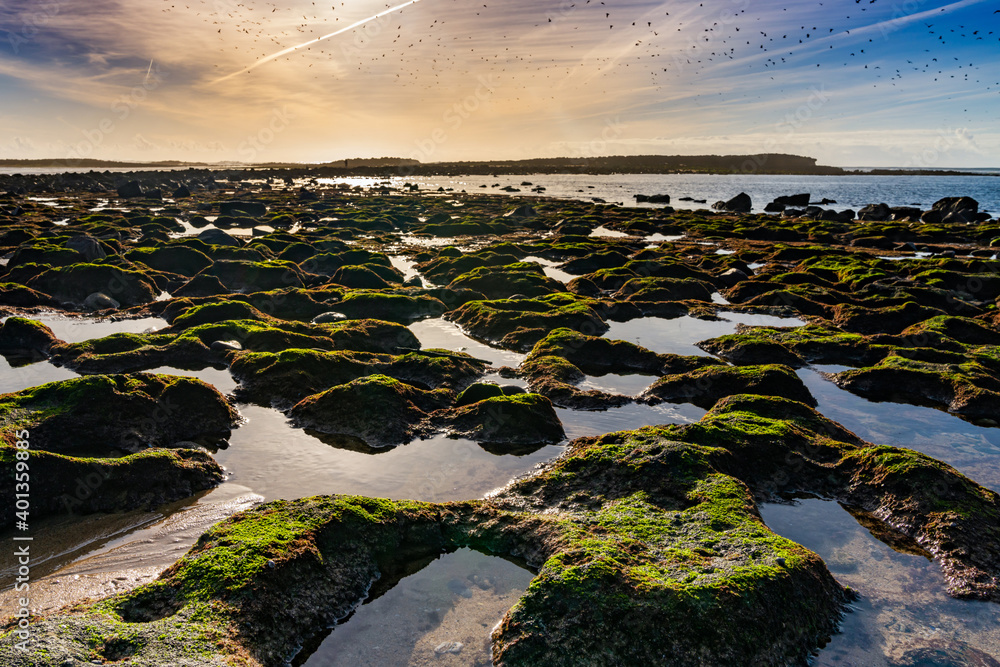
{"points": [[328, 317], [799, 200], [732, 276], [87, 246], [243, 208], [77, 282], [774, 207], [956, 205], [448, 647], [219, 237], [706, 386], [932, 217], [130, 190], [119, 412], [21, 337], [182, 192], [904, 212], [522, 419], [201, 285], [377, 409], [478, 392], [652, 199], [524, 211], [741, 203], [875, 212], [225, 345], [100, 301]]}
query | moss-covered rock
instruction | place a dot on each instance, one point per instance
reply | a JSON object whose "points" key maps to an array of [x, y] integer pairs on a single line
{"points": [[519, 324], [76, 282], [795, 346], [501, 282], [377, 409], [521, 419], [74, 485], [172, 259], [664, 289], [393, 307], [563, 359], [22, 339], [705, 386], [969, 388], [92, 415]]}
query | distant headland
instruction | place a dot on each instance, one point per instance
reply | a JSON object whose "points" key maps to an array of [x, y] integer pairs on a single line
{"points": [[761, 163]]}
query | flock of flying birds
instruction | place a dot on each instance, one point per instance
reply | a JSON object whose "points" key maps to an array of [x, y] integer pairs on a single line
{"points": [[663, 41]]}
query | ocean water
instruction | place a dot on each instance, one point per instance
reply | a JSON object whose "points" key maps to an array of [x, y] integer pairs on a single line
{"points": [[849, 191]]}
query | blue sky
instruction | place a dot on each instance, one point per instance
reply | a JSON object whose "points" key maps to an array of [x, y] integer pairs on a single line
{"points": [[852, 83]]}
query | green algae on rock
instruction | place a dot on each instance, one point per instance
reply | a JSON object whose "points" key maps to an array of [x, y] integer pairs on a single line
{"points": [[104, 412], [520, 323], [519, 419], [705, 386], [377, 409], [75, 485], [22, 339]]}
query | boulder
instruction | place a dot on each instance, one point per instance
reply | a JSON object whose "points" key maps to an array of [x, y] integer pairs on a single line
{"points": [[130, 190], [741, 203], [956, 205], [875, 212], [219, 237], [21, 337], [182, 192], [100, 301], [87, 246], [252, 209], [793, 200]]}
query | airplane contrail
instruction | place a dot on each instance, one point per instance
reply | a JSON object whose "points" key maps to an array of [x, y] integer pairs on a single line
{"points": [[314, 41], [146, 80]]}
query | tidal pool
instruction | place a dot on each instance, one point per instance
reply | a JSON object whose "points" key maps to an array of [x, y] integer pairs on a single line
{"points": [[441, 615], [903, 616]]}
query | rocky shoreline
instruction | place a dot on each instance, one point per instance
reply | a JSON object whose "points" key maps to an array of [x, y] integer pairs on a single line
{"points": [[652, 534]]}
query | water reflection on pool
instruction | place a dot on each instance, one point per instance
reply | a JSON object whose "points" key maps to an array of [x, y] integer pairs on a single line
{"points": [[442, 615], [903, 616]]}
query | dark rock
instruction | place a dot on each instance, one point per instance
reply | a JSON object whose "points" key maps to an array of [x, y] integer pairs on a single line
{"points": [[377, 409], [219, 237], [932, 217], [522, 419], [100, 301], [243, 208], [21, 337], [741, 203], [797, 201], [875, 212], [182, 192], [732, 276], [956, 205], [774, 207], [130, 190], [329, 317], [87, 246]]}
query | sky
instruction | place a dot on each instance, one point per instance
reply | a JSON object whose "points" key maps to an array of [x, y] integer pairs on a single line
{"points": [[909, 83]]}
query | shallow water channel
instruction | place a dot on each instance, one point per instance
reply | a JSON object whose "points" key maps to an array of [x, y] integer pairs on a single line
{"points": [[444, 612]]}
